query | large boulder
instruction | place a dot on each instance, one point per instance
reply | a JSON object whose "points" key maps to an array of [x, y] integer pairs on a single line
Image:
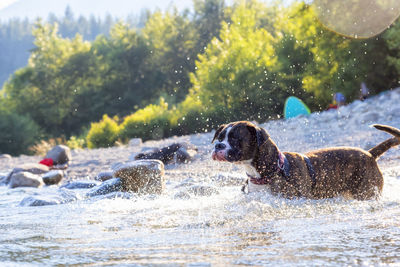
{"points": [[59, 154], [34, 168], [142, 176], [25, 179], [53, 177]]}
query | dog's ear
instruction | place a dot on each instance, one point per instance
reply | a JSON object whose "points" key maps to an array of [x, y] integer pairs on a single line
{"points": [[261, 135], [219, 130]]}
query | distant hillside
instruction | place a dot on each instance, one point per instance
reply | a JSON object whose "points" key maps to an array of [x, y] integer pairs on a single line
{"points": [[116, 8]]}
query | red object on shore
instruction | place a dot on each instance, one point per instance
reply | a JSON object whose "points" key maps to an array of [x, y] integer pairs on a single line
{"points": [[332, 106], [48, 162]]}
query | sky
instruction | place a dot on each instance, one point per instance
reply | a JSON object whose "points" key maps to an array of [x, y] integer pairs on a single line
{"points": [[116, 8], [5, 3]]}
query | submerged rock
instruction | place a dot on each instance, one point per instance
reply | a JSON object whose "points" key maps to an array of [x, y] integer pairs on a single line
{"points": [[104, 176], [25, 179], [85, 184], [142, 176], [3, 180], [106, 187], [59, 154], [53, 177], [63, 196]]}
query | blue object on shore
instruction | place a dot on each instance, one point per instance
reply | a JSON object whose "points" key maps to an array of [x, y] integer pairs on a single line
{"points": [[294, 107]]}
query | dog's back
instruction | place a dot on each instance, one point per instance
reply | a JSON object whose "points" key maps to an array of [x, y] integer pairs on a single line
{"points": [[352, 170], [342, 170]]}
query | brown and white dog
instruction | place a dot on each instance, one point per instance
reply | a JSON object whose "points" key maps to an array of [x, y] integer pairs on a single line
{"points": [[323, 173]]}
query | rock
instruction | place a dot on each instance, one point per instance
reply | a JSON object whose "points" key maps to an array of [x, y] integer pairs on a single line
{"points": [[34, 168], [5, 157], [53, 177], [25, 179], [106, 187], [85, 184], [135, 142], [3, 180], [185, 156], [64, 196], [180, 152], [165, 154], [142, 176], [34, 201], [59, 154], [104, 176]]}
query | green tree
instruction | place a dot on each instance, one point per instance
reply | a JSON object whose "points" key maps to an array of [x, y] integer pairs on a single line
{"points": [[40, 89], [18, 133], [239, 70], [171, 38]]}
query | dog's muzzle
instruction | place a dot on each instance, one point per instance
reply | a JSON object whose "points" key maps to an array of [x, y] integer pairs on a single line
{"points": [[219, 153]]}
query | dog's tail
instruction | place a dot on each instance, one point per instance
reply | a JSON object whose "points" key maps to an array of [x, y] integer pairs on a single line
{"points": [[378, 150]]}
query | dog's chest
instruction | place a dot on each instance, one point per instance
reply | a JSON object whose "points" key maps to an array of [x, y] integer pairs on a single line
{"points": [[251, 171]]}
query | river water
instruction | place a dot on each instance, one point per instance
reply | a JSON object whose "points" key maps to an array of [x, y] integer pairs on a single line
{"points": [[225, 228]]}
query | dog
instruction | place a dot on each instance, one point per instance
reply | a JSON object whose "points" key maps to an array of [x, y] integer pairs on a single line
{"points": [[323, 173]]}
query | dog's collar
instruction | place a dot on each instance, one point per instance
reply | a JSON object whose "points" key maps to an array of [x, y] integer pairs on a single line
{"points": [[282, 167]]}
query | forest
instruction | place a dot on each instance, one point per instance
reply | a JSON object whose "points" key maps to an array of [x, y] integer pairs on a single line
{"points": [[94, 82]]}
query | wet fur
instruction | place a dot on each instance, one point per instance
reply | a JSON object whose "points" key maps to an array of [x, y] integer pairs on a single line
{"points": [[339, 171]]}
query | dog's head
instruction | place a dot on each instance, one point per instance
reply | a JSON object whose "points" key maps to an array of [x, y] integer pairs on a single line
{"points": [[238, 141]]}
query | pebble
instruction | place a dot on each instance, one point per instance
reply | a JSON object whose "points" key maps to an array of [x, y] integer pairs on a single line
{"points": [[53, 177]]}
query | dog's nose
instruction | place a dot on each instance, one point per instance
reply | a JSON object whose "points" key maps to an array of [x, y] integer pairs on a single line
{"points": [[220, 146]]}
